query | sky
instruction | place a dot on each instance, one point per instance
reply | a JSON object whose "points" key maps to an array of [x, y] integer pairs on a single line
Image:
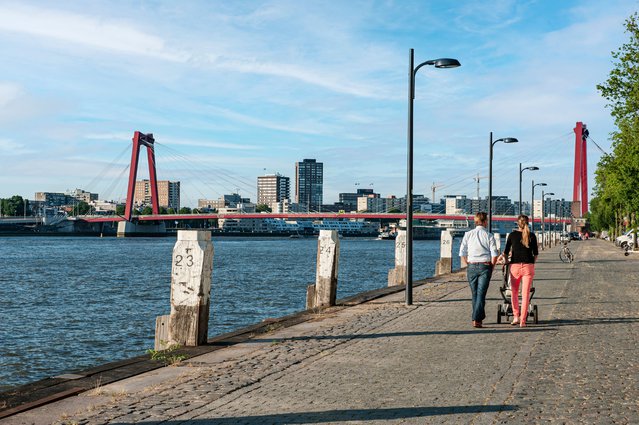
{"points": [[232, 90]]}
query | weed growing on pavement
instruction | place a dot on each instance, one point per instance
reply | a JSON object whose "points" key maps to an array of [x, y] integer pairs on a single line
{"points": [[168, 356], [97, 389]]}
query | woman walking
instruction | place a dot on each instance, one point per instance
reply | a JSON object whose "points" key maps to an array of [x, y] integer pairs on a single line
{"points": [[522, 267]]}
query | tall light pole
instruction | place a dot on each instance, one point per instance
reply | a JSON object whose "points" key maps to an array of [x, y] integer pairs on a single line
{"points": [[532, 204], [412, 70], [521, 170], [490, 177], [543, 213]]}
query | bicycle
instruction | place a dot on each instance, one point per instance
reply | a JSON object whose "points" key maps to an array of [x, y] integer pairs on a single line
{"points": [[565, 254]]}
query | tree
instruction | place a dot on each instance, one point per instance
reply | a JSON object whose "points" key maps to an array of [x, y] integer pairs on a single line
{"points": [[119, 210], [146, 211], [80, 208], [263, 208], [617, 176], [185, 210], [15, 206]]}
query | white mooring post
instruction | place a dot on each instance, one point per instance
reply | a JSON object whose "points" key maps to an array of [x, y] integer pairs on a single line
{"points": [[497, 241], [191, 271], [397, 275], [445, 263], [324, 292]]}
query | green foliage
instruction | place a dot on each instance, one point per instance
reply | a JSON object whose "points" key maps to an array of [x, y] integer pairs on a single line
{"points": [[146, 211], [617, 176], [15, 206], [119, 209], [185, 210], [622, 87], [263, 208], [168, 356]]}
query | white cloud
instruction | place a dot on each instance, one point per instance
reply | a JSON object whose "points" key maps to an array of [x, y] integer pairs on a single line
{"points": [[84, 30], [9, 147]]}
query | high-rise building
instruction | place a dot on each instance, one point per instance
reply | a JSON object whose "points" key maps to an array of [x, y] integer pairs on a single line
{"points": [[309, 183], [168, 193], [273, 188]]}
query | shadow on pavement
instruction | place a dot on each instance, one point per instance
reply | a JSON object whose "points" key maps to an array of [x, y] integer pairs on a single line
{"points": [[561, 279], [485, 330], [339, 415], [591, 321], [608, 261]]}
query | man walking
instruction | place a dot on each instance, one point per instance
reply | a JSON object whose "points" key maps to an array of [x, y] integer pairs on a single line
{"points": [[479, 250]]}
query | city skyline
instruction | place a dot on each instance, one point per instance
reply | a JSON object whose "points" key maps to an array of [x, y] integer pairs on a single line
{"points": [[246, 88]]}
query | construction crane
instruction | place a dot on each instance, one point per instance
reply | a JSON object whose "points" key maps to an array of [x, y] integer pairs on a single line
{"points": [[433, 188], [477, 179]]}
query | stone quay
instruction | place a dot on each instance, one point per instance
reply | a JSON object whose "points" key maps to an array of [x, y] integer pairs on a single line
{"points": [[375, 360]]}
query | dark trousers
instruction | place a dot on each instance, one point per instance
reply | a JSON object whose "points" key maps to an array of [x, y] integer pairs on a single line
{"points": [[479, 278]]}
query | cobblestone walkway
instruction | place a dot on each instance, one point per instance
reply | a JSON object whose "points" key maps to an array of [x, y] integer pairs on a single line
{"points": [[384, 362]]}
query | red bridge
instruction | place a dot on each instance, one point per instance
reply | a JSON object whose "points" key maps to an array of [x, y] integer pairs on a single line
{"points": [[580, 195], [302, 216]]}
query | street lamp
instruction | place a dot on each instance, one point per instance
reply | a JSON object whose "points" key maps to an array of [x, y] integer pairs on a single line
{"points": [[521, 170], [412, 70], [532, 204], [490, 177], [543, 213]]}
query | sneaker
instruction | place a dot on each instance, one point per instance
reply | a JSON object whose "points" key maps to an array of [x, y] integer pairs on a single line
{"points": [[515, 321]]}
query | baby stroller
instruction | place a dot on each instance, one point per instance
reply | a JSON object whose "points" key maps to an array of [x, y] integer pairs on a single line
{"points": [[506, 309]]}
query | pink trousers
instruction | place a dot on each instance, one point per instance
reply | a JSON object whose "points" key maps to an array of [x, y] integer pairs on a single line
{"points": [[524, 273]]}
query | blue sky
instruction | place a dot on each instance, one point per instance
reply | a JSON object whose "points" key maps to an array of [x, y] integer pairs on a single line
{"points": [[236, 89]]}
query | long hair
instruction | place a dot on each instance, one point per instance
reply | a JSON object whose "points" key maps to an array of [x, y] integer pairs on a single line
{"points": [[522, 222]]}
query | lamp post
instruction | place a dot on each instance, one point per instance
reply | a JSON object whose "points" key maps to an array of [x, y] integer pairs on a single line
{"points": [[412, 70], [543, 213], [532, 204], [521, 170], [490, 177]]}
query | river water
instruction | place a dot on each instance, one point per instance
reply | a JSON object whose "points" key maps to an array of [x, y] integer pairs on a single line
{"points": [[68, 303]]}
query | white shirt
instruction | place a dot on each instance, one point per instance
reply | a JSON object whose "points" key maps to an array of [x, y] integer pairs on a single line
{"points": [[478, 246]]}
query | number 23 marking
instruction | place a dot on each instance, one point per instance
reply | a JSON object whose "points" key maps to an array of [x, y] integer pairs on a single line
{"points": [[179, 258]]}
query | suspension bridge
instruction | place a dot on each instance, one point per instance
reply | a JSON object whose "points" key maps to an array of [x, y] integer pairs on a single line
{"points": [[146, 141]]}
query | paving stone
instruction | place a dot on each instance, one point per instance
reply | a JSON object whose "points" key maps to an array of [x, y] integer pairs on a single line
{"points": [[386, 363]]}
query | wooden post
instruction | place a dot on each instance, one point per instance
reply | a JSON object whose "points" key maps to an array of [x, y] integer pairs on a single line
{"points": [[397, 275], [191, 288], [162, 332], [325, 288], [445, 263]]}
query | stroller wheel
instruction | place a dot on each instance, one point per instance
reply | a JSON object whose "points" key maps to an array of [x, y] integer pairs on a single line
{"points": [[499, 313], [535, 314]]}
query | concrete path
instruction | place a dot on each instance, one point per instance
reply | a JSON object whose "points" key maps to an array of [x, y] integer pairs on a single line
{"points": [[384, 363]]}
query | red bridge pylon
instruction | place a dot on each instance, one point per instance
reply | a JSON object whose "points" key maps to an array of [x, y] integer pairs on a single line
{"points": [[141, 139], [580, 187]]}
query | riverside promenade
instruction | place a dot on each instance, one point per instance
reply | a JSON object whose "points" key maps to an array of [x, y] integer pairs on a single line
{"points": [[382, 362]]}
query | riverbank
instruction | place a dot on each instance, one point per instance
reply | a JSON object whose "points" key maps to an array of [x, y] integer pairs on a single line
{"points": [[383, 362], [98, 298]]}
